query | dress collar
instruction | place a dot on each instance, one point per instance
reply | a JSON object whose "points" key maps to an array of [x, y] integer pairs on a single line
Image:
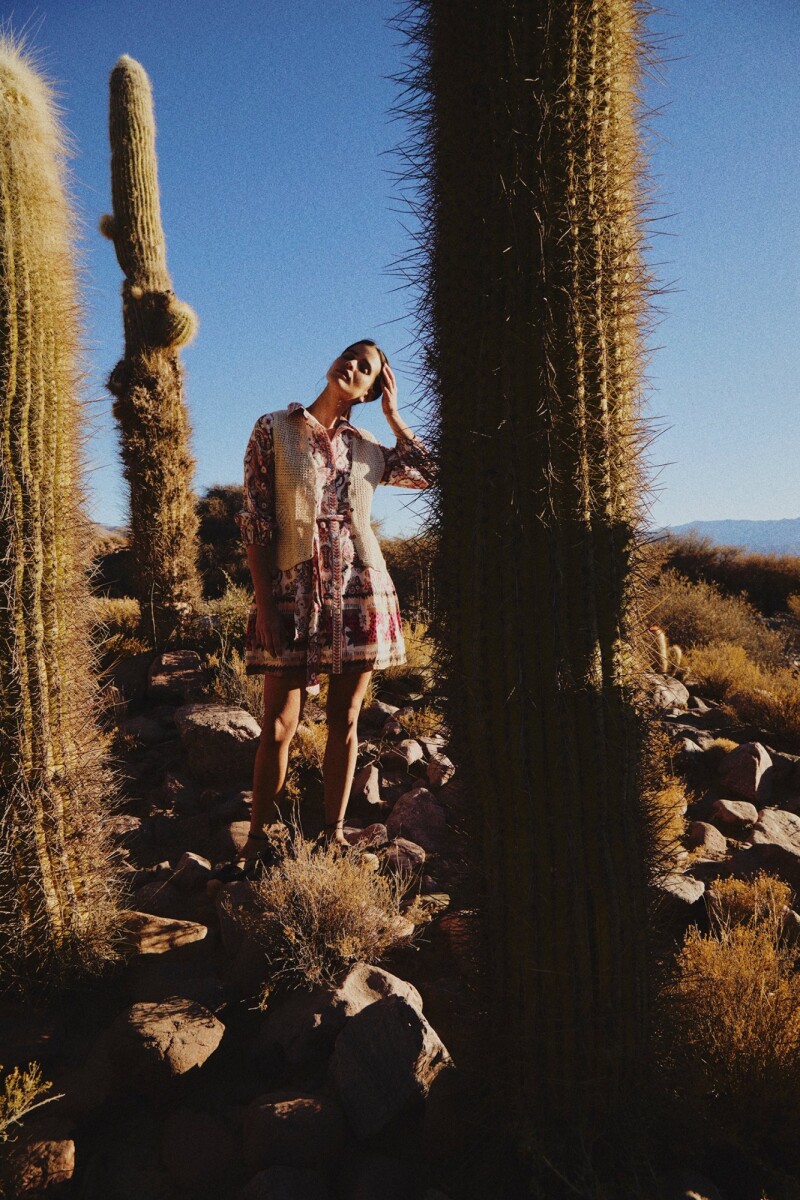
{"points": [[342, 422]]}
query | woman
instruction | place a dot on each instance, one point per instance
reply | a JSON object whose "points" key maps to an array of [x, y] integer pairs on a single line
{"points": [[324, 601]]}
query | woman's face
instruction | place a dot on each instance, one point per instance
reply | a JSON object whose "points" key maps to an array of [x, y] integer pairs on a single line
{"points": [[354, 372]]}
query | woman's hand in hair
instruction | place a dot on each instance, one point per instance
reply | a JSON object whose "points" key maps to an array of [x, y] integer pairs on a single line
{"points": [[268, 628], [389, 395]]}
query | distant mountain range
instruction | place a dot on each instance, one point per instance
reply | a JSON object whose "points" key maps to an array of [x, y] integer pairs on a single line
{"points": [[759, 537]]}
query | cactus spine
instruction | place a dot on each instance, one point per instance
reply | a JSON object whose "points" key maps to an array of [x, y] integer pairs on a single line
{"points": [[56, 900], [532, 309], [148, 382]]}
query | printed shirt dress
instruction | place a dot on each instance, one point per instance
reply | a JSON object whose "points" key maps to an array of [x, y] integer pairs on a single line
{"points": [[336, 613]]}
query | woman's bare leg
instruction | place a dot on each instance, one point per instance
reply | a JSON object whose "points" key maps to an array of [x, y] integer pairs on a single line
{"points": [[284, 699], [345, 694]]}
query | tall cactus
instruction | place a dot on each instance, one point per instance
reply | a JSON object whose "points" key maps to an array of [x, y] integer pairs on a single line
{"points": [[148, 382], [56, 894], [533, 308]]}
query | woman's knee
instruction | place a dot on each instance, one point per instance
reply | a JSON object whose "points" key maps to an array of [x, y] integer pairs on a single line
{"points": [[279, 730]]}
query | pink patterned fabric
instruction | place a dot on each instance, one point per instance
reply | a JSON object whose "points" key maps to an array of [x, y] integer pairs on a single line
{"points": [[336, 613]]}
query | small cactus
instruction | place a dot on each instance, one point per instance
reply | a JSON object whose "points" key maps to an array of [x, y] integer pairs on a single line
{"points": [[56, 889], [148, 382]]}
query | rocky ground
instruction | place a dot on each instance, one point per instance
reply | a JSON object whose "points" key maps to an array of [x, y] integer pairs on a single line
{"points": [[173, 1081]]}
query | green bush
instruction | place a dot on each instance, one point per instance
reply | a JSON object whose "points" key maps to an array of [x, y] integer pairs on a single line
{"points": [[767, 580]]}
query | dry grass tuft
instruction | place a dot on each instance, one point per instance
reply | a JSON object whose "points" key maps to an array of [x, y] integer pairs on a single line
{"points": [[21, 1093], [730, 1034], [319, 912], [668, 805], [422, 723], [418, 672], [769, 698]]}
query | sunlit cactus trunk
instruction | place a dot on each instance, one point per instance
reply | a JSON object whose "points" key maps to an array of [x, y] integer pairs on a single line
{"points": [[533, 310], [56, 902], [148, 382]]}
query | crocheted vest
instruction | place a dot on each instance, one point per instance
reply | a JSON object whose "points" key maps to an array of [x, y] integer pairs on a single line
{"points": [[295, 492]]}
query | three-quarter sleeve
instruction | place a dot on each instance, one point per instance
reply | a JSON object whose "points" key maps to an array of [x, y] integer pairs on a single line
{"points": [[256, 520], [409, 463]]}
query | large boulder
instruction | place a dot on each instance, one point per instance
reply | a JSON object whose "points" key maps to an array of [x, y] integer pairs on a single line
{"points": [[732, 814], [143, 933], [150, 1044], [42, 1161], [667, 692], [292, 1129], [747, 771], [385, 1057], [220, 742], [365, 796], [419, 817], [305, 1024], [775, 827]]}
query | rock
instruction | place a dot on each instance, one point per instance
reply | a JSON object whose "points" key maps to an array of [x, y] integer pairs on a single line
{"points": [[176, 676], [385, 1056], [679, 903], [143, 933], [432, 745], [418, 816], [365, 792], [687, 747], [293, 1130], [305, 1024], [772, 858], [198, 1151], [220, 741], [791, 926], [775, 827], [440, 770], [697, 704], [708, 839], [286, 1183], [376, 714], [404, 754], [127, 831], [667, 692], [748, 772], [159, 899], [403, 857], [681, 887], [143, 729], [393, 728], [152, 1043], [43, 1159], [230, 839], [191, 872], [687, 1185], [734, 813], [370, 835]]}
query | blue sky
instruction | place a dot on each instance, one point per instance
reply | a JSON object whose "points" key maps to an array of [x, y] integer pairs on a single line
{"points": [[282, 224]]}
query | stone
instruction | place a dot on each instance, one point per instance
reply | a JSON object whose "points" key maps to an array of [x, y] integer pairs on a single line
{"points": [[697, 704], [305, 1024], [667, 692], [286, 1183], [176, 676], [127, 831], [150, 1044], [371, 835], [775, 827], [159, 899], [198, 1151], [220, 742], [440, 770], [143, 729], [747, 771], [707, 838], [143, 933], [403, 857], [773, 858], [385, 1057], [292, 1129], [733, 813], [418, 816], [404, 754], [230, 840], [683, 888], [376, 714], [192, 872], [366, 801], [43, 1159]]}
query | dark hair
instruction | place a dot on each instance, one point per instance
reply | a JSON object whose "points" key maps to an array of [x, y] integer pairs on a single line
{"points": [[377, 386]]}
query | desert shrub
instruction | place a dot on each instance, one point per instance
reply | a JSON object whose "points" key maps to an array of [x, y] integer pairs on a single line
{"points": [[667, 805], [793, 606], [219, 626], [697, 613], [418, 672], [21, 1093], [766, 579], [422, 723], [410, 564], [234, 686], [769, 698], [730, 1029], [222, 558], [318, 912]]}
